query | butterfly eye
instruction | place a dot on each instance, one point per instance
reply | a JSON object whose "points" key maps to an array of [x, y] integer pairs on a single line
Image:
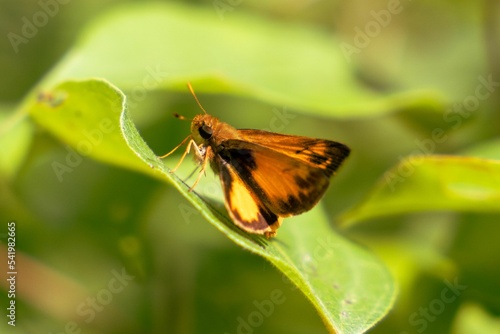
{"points": [[205, 132]]}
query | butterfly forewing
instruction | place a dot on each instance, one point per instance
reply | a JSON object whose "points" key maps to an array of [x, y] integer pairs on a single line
{"points": [[324, 154]]}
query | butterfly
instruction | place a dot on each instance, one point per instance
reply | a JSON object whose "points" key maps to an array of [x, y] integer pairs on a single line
{"points": [[265, 176]]}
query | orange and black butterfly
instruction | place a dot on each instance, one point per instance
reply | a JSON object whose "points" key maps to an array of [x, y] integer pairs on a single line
{"points": [[265, 176]]}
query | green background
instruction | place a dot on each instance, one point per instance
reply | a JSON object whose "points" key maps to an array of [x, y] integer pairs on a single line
{"points": [[405, 240]]}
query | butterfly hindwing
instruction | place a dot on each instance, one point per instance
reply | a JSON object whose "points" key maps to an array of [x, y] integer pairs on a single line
{"points": [[243, 205]]}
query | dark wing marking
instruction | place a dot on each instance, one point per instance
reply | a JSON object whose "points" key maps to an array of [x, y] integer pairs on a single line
{"points": [[244, 206], [285, 185]]}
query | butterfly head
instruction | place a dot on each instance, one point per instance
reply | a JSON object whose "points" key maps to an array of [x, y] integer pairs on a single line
{"points": [[203, 127]]}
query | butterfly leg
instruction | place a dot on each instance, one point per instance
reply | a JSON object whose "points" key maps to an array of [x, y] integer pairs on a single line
{"points": [[203, 153], [175, 148], [274, 227], [186, 152]]}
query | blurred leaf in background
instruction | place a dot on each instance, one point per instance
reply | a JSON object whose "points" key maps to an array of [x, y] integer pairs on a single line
{"points": [[105, 244]]}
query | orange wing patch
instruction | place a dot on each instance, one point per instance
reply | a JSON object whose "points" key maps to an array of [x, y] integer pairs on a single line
{"points": [[320, 153], [243, 204]]}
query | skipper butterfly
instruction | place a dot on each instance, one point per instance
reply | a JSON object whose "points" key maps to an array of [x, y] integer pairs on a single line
{"points": [[265, 176]]}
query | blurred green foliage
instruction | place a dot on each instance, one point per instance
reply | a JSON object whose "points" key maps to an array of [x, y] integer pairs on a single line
{"points": [[105, 246]]}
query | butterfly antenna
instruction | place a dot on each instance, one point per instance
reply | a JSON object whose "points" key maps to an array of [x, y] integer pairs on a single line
{"points": [[194, 95]]}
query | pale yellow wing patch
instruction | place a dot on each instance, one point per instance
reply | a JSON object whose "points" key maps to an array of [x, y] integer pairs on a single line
{"points": [[241, 203], [244, 206]]}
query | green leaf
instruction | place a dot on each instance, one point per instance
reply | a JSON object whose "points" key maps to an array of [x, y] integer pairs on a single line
{"points": [[474, 319], [349, 287], [85, 115], [163, 46], [15, 140], [445, 183]]}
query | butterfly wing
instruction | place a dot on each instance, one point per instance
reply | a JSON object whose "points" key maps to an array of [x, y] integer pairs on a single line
{"points": [[287, 179], [324, 154], [243, 204]]}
